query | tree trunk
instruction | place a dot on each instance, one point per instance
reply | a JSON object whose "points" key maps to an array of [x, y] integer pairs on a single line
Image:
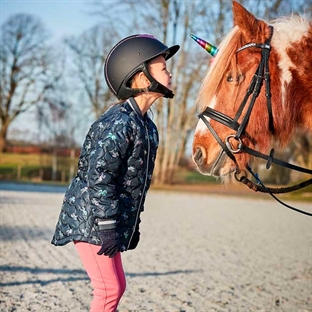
{"points": [[54, 164], [3, 136], [72, 166]]}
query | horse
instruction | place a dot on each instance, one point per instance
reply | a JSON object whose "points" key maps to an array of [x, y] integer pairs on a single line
{"points": [[257, 91]]}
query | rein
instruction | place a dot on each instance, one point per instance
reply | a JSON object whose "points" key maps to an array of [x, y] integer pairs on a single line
{"points": [[262, 73]]}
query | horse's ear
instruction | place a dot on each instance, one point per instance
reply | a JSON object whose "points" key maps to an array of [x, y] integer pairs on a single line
{"points": [[242, 18], [241, 15]]}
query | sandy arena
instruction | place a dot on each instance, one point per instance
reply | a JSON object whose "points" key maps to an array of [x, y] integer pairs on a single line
{"points": [[197, 253]]}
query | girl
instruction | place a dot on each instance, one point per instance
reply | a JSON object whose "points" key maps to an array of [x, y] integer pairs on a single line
{"points": [[102, 205]]}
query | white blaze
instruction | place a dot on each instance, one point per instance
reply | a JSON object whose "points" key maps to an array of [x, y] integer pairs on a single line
{"points": [[201, 127]]}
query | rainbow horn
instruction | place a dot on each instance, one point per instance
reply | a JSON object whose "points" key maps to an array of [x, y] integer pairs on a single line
{"points": [[206, 45]]}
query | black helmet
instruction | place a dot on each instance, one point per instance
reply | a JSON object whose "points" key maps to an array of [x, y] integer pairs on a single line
{"points": [[130, 56]]}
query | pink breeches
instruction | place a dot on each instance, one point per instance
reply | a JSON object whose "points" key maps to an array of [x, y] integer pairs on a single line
{"points": [[106, 275]]}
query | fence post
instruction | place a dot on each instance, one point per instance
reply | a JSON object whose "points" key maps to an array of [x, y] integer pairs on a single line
{"points": [[63, 176], [19, 172]]}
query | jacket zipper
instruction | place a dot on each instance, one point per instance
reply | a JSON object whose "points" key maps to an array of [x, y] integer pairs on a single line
{"points": [[146, 176]]}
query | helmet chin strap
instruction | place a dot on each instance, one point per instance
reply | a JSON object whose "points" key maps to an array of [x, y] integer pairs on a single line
{"points": [[155, 85]]}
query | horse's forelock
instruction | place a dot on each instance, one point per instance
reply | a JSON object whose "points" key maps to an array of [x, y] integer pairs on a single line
{"points": [[227, 49]]}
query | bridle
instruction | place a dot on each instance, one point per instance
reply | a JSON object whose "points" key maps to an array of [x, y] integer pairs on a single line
{"points": [[262, 73]]}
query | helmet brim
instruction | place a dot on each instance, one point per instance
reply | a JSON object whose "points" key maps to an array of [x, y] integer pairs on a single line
{"points": [[171, 51], [167, 53]]}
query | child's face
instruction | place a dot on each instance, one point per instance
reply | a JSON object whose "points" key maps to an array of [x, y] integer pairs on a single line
{"points": [[157, 68]]}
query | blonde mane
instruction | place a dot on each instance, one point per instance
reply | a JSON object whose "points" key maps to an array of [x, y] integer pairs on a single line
{"points": [[227, 49]]}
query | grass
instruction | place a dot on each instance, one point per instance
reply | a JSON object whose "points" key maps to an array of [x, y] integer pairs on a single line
{"points": [[14, 160], [33, 167], [38, 168]]}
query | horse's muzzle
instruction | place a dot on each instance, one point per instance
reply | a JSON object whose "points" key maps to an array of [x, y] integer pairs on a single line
{"points": [[198, 157]]}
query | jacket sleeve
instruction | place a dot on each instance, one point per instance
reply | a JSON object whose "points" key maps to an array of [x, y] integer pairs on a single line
{"points": [[107, 155]]}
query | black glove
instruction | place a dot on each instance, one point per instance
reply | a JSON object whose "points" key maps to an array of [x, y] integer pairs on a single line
{"points": [[110, 243], [135, 240]]}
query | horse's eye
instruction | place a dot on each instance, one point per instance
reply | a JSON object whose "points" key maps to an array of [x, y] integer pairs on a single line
{"points": [[229, 79], [240, 78]]}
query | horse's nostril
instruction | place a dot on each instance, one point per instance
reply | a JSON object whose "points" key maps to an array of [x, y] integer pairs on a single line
{"points": [[198, 156]]}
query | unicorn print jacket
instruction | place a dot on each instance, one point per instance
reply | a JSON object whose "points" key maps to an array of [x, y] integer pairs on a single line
{"points": [[114, 174]]}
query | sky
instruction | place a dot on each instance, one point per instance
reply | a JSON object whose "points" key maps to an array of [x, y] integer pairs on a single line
{"points": [[62, 18]]}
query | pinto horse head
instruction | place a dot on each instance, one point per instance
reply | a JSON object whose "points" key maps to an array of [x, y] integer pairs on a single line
{"points": [[289, 61]]}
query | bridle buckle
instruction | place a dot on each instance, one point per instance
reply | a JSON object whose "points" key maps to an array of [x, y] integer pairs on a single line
{"points": [[230, 146]]}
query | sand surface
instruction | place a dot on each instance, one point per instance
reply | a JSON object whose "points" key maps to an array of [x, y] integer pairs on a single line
{"points": [[197, 253]]}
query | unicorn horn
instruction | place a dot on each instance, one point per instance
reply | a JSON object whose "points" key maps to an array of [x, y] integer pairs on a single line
{"points": [[206, 45]]}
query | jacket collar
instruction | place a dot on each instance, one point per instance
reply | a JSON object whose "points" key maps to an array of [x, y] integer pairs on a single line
{"points": [[133, 104]]}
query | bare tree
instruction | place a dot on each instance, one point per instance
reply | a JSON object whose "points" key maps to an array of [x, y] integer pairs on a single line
{"points": [[88, 54], [25, 68], [52, 117], [58, 123]]}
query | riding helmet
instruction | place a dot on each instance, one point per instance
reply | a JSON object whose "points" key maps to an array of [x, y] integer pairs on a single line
{"points": [[130, 56]]}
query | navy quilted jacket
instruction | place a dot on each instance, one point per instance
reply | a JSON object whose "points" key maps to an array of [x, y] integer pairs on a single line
{"points": [[114, 174]]}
